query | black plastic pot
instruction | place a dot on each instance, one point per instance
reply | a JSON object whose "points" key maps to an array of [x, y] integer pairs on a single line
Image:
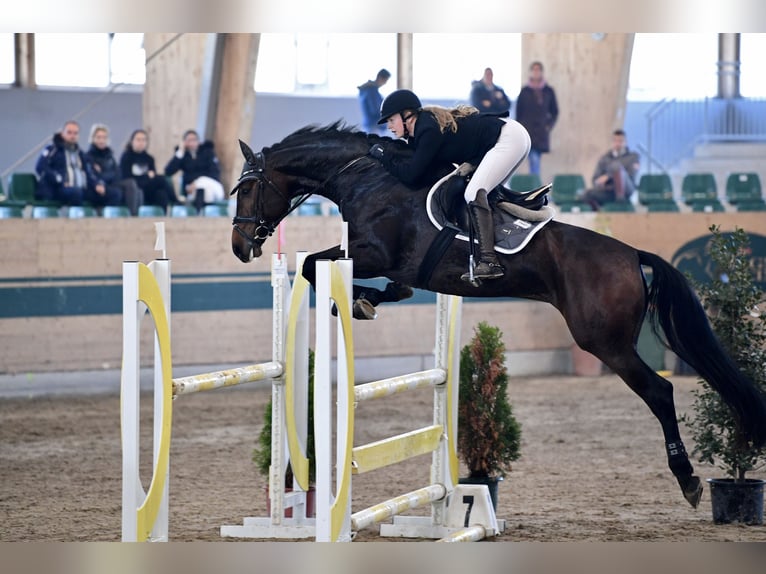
{"points": [[490, 481], [737, 501]]}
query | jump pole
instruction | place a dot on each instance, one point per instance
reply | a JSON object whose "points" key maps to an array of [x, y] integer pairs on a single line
{"points": [[147, 287]]}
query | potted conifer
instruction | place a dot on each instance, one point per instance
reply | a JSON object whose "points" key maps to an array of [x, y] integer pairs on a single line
{"points": [[731, 301], [262, 453], [488, 434]]}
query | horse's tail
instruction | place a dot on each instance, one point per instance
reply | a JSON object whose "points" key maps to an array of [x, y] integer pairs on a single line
{"points": [[673, 304]]}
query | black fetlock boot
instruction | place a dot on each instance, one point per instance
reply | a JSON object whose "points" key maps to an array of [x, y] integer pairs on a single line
{"points": [[488, 267]]}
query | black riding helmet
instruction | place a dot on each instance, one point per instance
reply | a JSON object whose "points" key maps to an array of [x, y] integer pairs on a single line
{"points": [[398, 101]]}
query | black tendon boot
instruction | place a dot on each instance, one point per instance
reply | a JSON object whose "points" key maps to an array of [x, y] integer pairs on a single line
{"points": [[488, 267]]}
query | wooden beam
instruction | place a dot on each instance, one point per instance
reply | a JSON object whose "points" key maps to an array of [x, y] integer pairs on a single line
{"points": [[172, 90], [589, 73], [235, 102], [404, 61], [24, 57]]}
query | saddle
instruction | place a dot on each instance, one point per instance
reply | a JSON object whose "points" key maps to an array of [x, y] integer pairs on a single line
{"points": [[517, 215]]}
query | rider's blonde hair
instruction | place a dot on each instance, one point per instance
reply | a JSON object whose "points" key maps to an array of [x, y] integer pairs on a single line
{"points": [[446, 117]]}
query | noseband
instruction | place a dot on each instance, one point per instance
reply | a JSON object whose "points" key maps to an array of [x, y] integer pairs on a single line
{"points": [[254, 170]]}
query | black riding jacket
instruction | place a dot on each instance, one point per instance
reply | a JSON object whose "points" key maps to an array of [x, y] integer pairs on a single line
{"points": [[475, 136]]}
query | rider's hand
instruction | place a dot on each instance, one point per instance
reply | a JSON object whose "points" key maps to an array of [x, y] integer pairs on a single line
{"points": [[376, 151]]}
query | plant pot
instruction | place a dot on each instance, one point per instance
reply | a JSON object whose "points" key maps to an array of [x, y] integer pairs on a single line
{"points": [[310, 503], [737, 501], [490, 481], [584, 364]]}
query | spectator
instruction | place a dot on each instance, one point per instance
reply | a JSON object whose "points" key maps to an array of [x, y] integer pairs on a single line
{"points": [[138, 165], [201, 173], [537, 110], [111, 188], [63, 172], [370, 101], [614, 178], [488, 97]]}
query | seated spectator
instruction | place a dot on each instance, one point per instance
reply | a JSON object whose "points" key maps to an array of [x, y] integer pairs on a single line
{"points": [[138, 165], [615, 176], [201, 173], [487, 97], [111, 188], [63, 172]]}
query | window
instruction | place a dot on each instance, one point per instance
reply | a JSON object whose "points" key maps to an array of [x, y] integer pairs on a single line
{"points": [[679, 66], [752, 80], [444, 65], [327, 64], [127, 59], [72, 60], [7, 59]]}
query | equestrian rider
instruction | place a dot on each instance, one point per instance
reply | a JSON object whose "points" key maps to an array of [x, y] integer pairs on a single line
{"points": [[438, 135]]}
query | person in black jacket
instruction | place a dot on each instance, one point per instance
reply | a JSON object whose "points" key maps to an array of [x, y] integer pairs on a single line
{"points": [[537, 110], [63, 172], [137, 164], [201, 171], [111, 188], [495, 145], [488, 97]]}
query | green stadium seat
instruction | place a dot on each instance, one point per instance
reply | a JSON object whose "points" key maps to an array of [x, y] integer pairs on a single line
{"points": [[11, 211], [150, 211], [654, 187], [663, 206], [567, 187], [21, 189], [44, 211], [310, 209], [80, 211], [698, 187], [753, 205], [707, 206], [743, 187], [574, 207], [618, 207], [182, 211], [111, 211], [524, 181], [215, 210]]}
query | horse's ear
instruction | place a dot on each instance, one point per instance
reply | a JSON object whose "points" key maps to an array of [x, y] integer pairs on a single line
{"points": [[247, 152]]}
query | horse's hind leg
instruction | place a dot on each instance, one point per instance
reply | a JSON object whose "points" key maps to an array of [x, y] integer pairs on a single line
{"points": [[657, 393]]}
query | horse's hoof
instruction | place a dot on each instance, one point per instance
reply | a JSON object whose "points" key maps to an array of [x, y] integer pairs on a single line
{"points": [[364, 310], [693, 491]]}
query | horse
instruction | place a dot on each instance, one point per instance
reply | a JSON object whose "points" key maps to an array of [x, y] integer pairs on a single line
{"points": [[596, 282]]}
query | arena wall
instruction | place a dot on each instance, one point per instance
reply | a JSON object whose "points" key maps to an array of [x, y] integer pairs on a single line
{"points": [[60, 294]]}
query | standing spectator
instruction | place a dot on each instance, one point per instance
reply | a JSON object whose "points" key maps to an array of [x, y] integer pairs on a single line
{"points": [[487, 97], [370, 101], [111, 188], [137, 164], [614, 178], [537, 110], [201, 173], [63, 172]]}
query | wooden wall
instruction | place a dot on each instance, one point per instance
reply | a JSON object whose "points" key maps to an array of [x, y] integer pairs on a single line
{"points": [[74, 268], [590, 76]]}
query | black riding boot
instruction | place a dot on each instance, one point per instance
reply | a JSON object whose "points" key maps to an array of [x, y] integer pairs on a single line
{"points": [[488, 267]]}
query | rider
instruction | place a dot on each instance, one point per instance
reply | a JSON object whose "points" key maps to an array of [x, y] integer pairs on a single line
{"points": [[438, 135]]}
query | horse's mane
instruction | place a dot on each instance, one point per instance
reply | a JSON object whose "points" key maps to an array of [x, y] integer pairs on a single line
{"points": [[337, 132]]}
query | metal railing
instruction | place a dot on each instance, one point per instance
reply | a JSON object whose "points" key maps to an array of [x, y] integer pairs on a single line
{"points": [[675, 127]]}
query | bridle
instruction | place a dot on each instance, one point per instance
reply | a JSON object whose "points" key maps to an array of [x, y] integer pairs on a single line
{"points": [[254, 170]]}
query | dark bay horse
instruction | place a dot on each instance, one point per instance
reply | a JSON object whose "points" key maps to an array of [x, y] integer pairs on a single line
{"points": [[596, 282]]}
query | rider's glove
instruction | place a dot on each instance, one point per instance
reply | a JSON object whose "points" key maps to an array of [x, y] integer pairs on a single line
{"points": [[376, 151]]}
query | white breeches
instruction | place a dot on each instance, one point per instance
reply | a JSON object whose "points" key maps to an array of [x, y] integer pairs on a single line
{"points": [[213, 189], [501, 161]]}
